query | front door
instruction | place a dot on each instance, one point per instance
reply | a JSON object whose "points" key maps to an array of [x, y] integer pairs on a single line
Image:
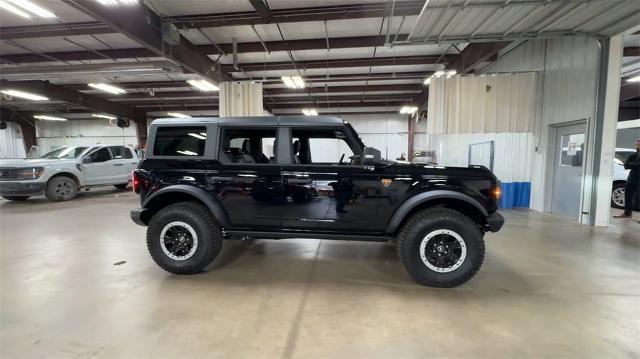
{"points": [[100, 167], [568, 170], [324, 188]]}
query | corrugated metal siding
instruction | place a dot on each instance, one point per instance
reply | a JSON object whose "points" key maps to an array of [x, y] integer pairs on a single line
{"points": [[52, 134], [11, 143]]}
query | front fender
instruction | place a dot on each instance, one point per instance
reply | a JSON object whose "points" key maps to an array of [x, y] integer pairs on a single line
{"points": [[202, 195], [407, 206]]}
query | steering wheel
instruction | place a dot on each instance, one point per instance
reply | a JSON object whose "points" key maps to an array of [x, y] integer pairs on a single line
{"points": [[341, 158]]}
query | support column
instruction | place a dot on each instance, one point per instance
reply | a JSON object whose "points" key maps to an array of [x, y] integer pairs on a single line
{"points": [[140, 120], [241, 99], [606, 130]]}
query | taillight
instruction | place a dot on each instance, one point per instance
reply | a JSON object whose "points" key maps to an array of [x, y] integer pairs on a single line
{"points": [[496, 192], [136, 182]]}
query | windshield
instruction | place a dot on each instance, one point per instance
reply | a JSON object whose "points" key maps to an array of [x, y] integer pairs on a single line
{"points": [[623, 155], [65, 152]]}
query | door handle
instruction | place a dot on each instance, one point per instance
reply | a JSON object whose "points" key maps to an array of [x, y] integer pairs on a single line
{"points": [[118, 164]]}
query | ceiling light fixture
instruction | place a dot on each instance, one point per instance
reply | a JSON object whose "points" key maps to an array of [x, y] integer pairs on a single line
{"points": [[25, 95], [294, 82], [177, 114], [438, 73], [203, 85], [49, 118], [33, 8], [634, 79], [408, 110], [427, 81], [107, 88], [310, 112], [451, 73], [5, 5], [104, 116]]}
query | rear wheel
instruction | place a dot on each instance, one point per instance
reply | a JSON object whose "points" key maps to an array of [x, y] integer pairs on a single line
{"points": [[184, 238], [121, 185], [16, 198], [440, 247], [61, 188], [617, 195]]}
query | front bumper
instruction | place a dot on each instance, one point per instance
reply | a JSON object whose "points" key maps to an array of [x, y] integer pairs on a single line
{"points": [[21, 188], [136, 216], [495, 221]]}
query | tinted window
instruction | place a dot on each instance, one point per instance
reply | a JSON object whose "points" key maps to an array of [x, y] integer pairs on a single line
{"points": [[180, 141], [100, 155], [313, 146], [247, 146], [117, 151], [127, 153], [65, 152]]}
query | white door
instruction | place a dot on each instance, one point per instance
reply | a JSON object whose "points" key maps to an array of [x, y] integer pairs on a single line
{"points": [[99, 168], [568, 170], [122, 166]]}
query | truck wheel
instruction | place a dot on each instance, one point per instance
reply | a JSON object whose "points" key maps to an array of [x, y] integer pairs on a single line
{"points": [[184, 238], [617, 195], [61, 188], [440, 247], [16, 198], [121, 185]]}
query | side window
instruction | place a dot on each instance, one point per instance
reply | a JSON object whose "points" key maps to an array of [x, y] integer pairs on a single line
{"points": [[320, 147], [247, 145], [127, 153], [117, 152], [180, 141], [101, 155]]}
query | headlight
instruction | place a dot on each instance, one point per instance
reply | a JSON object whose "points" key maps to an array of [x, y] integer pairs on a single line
{"points": [[30, 173]]}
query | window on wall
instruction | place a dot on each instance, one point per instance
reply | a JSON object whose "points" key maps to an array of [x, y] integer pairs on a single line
{"points": [[180, 141], [572, 150], [320, 147]]}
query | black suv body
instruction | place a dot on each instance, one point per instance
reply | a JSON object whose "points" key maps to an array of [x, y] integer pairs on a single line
{"points": [[208, 179]]}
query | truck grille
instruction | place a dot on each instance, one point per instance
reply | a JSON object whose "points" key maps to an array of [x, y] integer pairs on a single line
{"points": [[9, 174]]}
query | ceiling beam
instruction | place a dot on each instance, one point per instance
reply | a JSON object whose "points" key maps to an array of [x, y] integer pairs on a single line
{"points": [[52, 91], [148, 33], [631, 51], [358, 89], [477, 53], [629, 90], [50, 30], [340, 63], [340, 104]]}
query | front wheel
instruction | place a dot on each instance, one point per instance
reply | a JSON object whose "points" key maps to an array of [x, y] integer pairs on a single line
{"points": [[440, 247], [61, 188], [617, 195], [184, 238]]}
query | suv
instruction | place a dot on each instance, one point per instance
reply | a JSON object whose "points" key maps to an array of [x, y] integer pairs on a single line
{"points": [[61, 173], [620, 175], [209, 179]]}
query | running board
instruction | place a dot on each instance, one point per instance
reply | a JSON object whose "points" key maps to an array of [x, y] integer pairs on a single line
{"points": [[282, 235]]}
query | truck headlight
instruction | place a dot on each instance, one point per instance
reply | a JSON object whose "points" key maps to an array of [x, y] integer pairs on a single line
{"points": [[30, 173]]}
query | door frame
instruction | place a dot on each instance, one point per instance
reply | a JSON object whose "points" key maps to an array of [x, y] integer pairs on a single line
{"points": [[552, 145]]}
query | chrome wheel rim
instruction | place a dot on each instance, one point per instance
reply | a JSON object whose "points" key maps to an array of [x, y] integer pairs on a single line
{"points": [[443, 251], [617, 196], [178, 240]]}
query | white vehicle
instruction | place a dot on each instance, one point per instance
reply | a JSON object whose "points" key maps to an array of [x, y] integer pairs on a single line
{"points": [[61, 173], [620, 176]]}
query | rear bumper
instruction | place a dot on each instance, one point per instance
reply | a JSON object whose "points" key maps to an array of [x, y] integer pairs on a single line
{"points": [[136, 216], [495, 221], [17, 188]]}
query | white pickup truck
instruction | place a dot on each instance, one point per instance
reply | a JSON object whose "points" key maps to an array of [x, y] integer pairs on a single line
{"points": [[61, 173]]}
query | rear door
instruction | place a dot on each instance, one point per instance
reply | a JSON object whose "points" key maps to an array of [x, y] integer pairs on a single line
{"points": [[121, 165]]}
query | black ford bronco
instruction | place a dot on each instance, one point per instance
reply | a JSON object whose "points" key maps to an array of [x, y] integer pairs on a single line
{"points": [[205, 180]]}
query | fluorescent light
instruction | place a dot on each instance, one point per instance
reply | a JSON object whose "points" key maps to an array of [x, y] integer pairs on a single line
{"points": [[203, 85], [25, 95], [634, 79], [188, 153], [116, 3], [128, 2], [33, 8], [104, 116], [408, 109], [294, 82], [5, 5], [203, 134], [176, 114], [451, 73], [427, 81], [438, 73], [200, 137], [108, 88], [310, 112], [49, 118]]}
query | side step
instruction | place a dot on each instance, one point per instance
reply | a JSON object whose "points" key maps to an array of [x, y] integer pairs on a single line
{"points": [[281, 235]]}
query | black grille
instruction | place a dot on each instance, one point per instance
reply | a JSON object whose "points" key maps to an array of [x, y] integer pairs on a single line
{"points": [[8, 174]]}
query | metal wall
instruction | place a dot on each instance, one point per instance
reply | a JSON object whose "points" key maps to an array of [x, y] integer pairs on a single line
{"points": [[52, 134], [11, 142]]}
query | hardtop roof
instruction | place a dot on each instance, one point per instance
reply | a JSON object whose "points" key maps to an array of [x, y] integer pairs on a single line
{"points": [[310, 121]]}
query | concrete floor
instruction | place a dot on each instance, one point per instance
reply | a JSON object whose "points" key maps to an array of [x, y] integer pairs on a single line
{"points": [[77, 281]]}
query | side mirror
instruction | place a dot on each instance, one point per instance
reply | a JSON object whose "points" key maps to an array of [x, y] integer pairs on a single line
{"points": [[86, 160], [371, 156]]}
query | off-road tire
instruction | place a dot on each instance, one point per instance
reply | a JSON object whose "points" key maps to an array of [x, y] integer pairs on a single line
{"points": [[121, 185], [16, 198], [427, 221], [61, 188], [208, 231], [617, 186]]}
